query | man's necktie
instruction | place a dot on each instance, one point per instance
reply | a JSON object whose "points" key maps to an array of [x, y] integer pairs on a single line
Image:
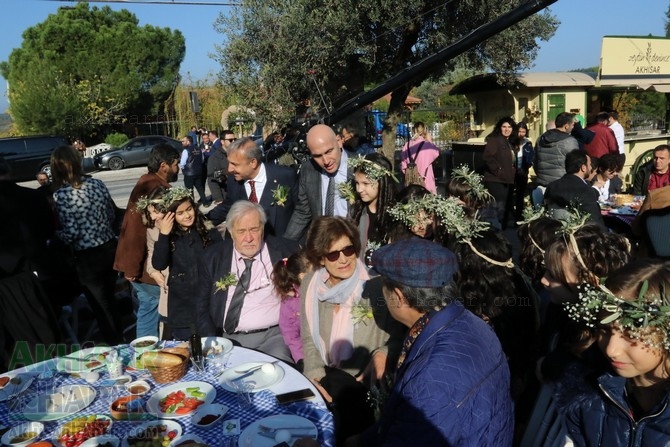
{"points": [[235, 307], [330, 197], [253, 198]]}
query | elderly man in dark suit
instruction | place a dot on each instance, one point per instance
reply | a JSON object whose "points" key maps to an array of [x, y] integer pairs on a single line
{"points": [[272, 186], [318, 184], [236, 297]]}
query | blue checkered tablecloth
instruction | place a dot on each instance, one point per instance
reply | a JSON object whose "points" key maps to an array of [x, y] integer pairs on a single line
{"points": [[264, 403]]}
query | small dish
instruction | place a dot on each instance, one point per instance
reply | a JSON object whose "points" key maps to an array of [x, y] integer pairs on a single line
{"points": [[127, 408], [109, 440], [143, 344], [138, 387], [23, 434], [208, 415], [189, 439]]}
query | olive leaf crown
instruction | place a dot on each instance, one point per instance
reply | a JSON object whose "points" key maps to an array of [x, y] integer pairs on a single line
{"points": [[641, 318], [371, 169], [170, 196], [474, 180]]}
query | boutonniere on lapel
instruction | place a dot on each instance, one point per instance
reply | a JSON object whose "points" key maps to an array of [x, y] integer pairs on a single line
{"points": [[229, 280], [360, 313], [346, 191], [280, 194]]}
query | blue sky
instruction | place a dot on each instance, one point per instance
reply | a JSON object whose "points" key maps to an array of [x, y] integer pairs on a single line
{"points": [[576, 44]]}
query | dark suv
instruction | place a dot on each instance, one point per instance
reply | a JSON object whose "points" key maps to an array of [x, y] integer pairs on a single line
{"points": [[29, 155]]}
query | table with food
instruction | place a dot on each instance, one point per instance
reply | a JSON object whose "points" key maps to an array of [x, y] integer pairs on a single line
{"points": [[157, 394], [621, 208]]}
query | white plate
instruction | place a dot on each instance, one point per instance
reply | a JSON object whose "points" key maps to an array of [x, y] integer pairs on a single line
{"points": [[170, 425], [154, 403], [64, 401], [36, 427], [258, 378], [194, 439], [112, 440], [209, 342], [12, 389], [71, 364], [56, 439], [250, 436]]}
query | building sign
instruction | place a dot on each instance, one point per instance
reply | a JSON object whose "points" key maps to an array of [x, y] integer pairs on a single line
{"points": [[635, 56]]}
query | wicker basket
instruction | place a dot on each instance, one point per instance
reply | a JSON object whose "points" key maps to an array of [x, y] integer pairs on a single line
{"points": [[167, 374], [623, 199]]}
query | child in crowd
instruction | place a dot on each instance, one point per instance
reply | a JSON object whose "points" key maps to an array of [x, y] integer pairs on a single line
{"points": [[375, 194], [287, 275], [413, 215], [151, 207], [630, 321], [184, 236], [468, 187]]}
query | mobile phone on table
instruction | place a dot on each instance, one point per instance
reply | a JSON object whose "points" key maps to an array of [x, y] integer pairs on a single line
{"points": [[295, 396]]}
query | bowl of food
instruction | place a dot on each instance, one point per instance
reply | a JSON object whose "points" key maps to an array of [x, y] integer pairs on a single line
{"points": [[143, 344], [23, 434], [138, 387], [208, 415], [102, 441], [78, 430], [127, 408]]}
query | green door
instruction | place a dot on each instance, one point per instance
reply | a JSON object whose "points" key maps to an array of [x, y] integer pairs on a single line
{"points": [[556, 106]]}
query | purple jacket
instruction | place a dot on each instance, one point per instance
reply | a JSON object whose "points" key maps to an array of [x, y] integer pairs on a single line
{"points": [[289, 325]]}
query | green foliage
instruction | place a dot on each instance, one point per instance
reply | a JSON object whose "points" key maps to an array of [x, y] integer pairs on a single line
{"points": [[428, 117], [84, 70], [280, 52], [116, 139]]}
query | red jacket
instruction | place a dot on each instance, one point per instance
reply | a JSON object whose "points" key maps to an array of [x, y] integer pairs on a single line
{"points": [[131, 251], [604, 141]]}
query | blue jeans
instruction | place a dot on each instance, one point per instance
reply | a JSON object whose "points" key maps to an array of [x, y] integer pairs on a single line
{"points": [[147, 312]]}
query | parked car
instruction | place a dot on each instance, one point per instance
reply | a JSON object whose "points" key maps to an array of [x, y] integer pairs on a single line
{"points": [[29, 155], [374, 124], [134, 152]]}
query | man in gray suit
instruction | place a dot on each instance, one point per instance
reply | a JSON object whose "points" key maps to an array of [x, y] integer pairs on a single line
{"points": [[318, 193]]}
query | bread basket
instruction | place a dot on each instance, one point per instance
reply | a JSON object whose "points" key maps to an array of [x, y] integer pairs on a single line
{"points": [[167, 374], [623, 199]]}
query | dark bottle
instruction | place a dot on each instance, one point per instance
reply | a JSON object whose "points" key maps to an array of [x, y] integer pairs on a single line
{"points": [[196, 345]]}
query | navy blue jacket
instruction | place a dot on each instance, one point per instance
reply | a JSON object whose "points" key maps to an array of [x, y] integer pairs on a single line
{"points": [[452, 390], [601, 418]]}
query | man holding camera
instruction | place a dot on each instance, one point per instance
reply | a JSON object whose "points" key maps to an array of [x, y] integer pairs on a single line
{"points": [[217, 165]]}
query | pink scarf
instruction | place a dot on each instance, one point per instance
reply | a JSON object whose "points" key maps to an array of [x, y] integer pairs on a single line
{"points": [[347, 294]]}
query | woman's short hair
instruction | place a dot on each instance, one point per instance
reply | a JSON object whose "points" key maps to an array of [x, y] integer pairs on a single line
{"points": [[66, 166], [324, 232], [609, 162], [241, 208], [425, 299]]}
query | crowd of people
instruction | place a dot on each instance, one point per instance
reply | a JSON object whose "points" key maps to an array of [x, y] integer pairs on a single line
{"points": [[405, 307]]}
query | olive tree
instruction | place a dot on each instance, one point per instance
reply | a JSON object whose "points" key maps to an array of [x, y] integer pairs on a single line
{"points": [[282, 52], [84, 69]]}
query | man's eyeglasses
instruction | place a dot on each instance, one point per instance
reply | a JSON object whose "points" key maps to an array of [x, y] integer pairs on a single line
{"points": [[230, 139], [335, 255]]}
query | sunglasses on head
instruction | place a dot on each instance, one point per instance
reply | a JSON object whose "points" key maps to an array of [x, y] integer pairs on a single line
{"points": [[335, 255]]}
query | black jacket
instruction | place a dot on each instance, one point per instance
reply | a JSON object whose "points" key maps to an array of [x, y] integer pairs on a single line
{"points": [[183, 263], [641, 180], [571, 191], [211, 302]]}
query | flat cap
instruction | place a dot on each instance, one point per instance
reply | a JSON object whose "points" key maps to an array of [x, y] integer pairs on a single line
{"points": [[416, 262]]}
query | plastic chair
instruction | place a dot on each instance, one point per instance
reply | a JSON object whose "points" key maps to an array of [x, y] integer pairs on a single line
{"points": [[656, 224]]}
